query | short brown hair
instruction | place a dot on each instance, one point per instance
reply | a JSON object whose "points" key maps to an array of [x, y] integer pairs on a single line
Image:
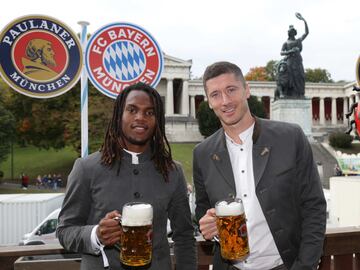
{"points": [[220, 68]]}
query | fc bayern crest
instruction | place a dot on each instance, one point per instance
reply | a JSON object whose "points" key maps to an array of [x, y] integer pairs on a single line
{"points": [[39, 56], [121, 54]]}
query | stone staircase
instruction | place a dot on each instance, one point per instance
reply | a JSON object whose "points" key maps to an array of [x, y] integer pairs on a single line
{"points": [[325, 161]]}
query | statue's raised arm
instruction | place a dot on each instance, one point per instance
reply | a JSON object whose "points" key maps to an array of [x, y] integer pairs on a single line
{"points": [[298, 15]]}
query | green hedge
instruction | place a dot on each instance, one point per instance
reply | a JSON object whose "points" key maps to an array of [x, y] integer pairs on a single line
{"points": [[340, 140]]}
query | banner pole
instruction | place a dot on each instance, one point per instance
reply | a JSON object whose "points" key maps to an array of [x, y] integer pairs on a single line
{"points": [[84, 94]]}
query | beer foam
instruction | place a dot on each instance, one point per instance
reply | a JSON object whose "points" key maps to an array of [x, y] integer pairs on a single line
{"points": [[137, 215], [232, 209]]}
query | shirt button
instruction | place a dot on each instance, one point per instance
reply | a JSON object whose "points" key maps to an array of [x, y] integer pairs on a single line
{"points": [[242, 171], [245, 195], [136, 171], [136, 195], [241, 149]]}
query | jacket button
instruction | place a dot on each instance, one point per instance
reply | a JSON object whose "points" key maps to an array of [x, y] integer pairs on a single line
{"points": [[136, 171], [136, 195]]}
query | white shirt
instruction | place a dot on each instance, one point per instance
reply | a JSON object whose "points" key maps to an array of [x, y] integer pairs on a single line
{"points": [[263, 251], [95, 242]]}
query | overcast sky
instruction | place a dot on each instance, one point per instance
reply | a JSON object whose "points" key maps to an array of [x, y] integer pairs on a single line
{"points": [[248, 33]]}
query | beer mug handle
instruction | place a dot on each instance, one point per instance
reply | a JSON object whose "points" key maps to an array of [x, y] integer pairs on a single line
{"points": [[117, 245], [216, 239], [118, 219]]}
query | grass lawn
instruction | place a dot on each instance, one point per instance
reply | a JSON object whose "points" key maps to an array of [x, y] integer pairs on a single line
{"points": [[34, 162]]}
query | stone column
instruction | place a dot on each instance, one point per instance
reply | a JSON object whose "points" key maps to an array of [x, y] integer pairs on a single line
{"points": [[169, 97], [322, 111], [345, 109], [333, 111], [192, 106], [185, 98]]}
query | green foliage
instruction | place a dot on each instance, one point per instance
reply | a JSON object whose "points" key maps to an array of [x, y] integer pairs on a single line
{"points": [[340, 140], [56, 122], [271, 70], [317, 75], [256, 107], [7, 131], [208, 121]]}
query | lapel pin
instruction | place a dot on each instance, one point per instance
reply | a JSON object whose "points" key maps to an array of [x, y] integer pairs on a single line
{"points": [[264, 151], [215, 157]]}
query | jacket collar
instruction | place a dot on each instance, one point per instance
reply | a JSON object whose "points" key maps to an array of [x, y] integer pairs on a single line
{"points": [[221, 158]]}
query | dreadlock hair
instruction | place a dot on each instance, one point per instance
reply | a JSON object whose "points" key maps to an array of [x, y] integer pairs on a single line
{"points": [[111, 150]]}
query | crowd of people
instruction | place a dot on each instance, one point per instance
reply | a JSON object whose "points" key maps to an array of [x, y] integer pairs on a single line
{"points": [[48, 181]]}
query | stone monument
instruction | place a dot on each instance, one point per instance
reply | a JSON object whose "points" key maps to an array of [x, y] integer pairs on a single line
{"points": [[290, 104]]}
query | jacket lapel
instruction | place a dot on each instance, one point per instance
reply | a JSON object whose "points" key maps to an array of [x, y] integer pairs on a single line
{"points": [[221, 160], [261, 153], [260, 158]]}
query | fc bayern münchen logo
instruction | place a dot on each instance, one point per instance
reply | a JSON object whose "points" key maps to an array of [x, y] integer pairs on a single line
{"points": [[39, 56], [121, 54]]}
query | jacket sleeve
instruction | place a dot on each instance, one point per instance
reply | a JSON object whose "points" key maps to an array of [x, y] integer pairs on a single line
{"points": [[312, 205], [73, 231], [182, 227], [202, 201]]}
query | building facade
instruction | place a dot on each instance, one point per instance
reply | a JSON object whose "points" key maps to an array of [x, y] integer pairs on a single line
{"points": [[182, 97]]}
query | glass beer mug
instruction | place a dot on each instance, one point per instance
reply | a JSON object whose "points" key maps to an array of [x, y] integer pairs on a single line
{"points": [[136, 240], [231, 225]]}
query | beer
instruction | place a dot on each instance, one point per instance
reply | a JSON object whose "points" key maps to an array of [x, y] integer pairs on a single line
{"points": [[231, 225], [136, 240]]}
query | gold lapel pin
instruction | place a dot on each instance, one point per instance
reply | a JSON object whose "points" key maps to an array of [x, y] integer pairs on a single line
{"points": [[215, 157], [264, 151]]}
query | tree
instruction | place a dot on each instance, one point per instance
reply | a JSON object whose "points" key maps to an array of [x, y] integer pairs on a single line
{"points": [[209, 123], [317, 75], [256, 107], [257, 74], [271, 70], [56, 122], [7, 131]]}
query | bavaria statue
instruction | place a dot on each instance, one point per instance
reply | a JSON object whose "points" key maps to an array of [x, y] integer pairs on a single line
{"points": [[290, 70]]}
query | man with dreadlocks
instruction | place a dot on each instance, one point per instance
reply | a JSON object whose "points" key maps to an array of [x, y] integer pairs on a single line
{"points": [[134, 164]]}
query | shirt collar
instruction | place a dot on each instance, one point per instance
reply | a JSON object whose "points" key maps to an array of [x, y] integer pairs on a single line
{"points": [[244, 136]]}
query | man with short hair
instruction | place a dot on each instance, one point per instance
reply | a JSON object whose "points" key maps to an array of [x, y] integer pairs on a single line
{"points": [[268, 165], [134, 164]]}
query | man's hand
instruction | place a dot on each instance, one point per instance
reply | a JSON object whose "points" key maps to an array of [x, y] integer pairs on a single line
{"points": [[208, 224], [109, 230]]}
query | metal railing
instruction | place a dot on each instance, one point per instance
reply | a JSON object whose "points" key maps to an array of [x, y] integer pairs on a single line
{"points": [[341, 252]]}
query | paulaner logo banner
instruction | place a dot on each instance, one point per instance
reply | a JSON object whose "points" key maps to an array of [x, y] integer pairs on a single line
{"points": [[120, 54], [39, 56]]}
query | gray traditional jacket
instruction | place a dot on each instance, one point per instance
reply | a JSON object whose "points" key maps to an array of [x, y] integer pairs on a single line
{"points": [[287, 186], [94, 190]]}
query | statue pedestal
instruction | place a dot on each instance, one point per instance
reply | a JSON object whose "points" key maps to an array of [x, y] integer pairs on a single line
{"points": [[296, 111]]}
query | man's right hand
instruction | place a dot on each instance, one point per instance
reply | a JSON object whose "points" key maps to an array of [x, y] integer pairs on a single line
{"points": [[109, 230], [208, 224]]}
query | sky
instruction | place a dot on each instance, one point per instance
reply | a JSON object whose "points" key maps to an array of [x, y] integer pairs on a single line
{"points": [[247, 33]]}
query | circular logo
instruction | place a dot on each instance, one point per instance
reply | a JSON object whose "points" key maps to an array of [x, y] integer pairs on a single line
{"points": [[39, 56], [121, 54]]}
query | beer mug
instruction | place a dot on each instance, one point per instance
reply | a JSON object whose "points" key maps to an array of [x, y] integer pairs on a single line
{"points": [[231, 225], [136, 240]]}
